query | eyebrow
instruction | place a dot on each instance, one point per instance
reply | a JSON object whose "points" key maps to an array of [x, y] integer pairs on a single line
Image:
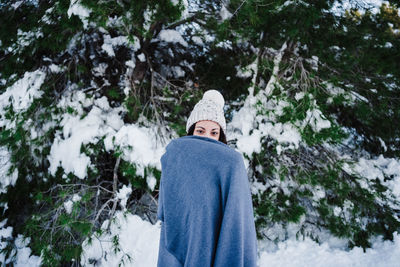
{"points": [[205, 128]]}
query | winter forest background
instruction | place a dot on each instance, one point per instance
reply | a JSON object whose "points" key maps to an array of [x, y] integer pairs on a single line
{"points": [[91, 92]]}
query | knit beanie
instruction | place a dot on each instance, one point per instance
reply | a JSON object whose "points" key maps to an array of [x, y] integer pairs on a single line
{"points": [[210, 107]]}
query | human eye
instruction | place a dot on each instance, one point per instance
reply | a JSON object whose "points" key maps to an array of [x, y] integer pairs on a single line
{"points": [[214, 133], [199, 131]]}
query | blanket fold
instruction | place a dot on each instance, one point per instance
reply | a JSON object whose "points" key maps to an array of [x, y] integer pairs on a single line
{"points": [[205, 206]]}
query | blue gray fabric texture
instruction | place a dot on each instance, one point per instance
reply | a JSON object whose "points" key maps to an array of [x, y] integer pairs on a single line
{"points": [[205, 206]]}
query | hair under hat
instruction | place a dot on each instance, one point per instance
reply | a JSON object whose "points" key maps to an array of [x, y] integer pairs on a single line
{"points": [[210, 107]]}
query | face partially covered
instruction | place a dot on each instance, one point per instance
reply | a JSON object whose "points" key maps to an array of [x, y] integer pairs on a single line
{"points": [[207, 128]]}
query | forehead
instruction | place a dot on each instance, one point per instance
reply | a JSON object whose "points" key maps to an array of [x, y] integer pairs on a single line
{"points": [[208, 124]]}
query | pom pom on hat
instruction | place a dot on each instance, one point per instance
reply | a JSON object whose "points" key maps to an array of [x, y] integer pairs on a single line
{"points": [[215, 96], [210, 107]]}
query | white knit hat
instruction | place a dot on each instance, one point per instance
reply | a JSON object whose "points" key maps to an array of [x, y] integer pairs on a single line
{"points": [[210, 107]]}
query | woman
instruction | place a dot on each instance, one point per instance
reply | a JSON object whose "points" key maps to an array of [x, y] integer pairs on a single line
{"points": [[205, 202]]}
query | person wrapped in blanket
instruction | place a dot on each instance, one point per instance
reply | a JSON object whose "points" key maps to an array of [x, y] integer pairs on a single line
{"points": [[205, 204]]}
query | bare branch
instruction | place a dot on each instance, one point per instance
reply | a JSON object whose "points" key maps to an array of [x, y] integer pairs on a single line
{"points": [[184, 21], [115, 188]]}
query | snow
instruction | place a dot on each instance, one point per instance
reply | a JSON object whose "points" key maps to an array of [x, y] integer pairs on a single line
{"points": [[108, 49], [75, 8], [147, 15], [337, 91], [308, 253], [109, 44], [177, 72], [381, 168], [21, 251], [185, 4], [224, 13], [257, 188], [17, 4], [142, 57], [21, 94], [388, 45], [250, 143], [225, 45], [130, 64], [140, 240], [299, 96], [188, 65], [151, 181], [137, 238], [383, 145], [5, 165], [26, 38], [4, 234], [172, 36], [286, 4], [123, 195], [198, 41], [316, 120], [319, 193], [257, 117], [55, 68], [272, 81], [68, 206], [115, 21], [314, 62], [243, 119], [76, 198], [101, 120], [46, 17], [136, 43], [100, 69], [283, 133], [208, 37], [246, 72], [138, 146], [339, 7]]}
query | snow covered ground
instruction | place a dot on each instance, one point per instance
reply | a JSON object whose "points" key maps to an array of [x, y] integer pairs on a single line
{"points": [[140, 240]]}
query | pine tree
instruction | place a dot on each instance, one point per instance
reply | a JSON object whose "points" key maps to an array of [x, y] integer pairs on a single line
{"points": [[318, 89], [329, 78]]}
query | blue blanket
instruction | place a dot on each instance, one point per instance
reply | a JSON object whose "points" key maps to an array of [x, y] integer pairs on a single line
{"points": [[205, 206]]}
